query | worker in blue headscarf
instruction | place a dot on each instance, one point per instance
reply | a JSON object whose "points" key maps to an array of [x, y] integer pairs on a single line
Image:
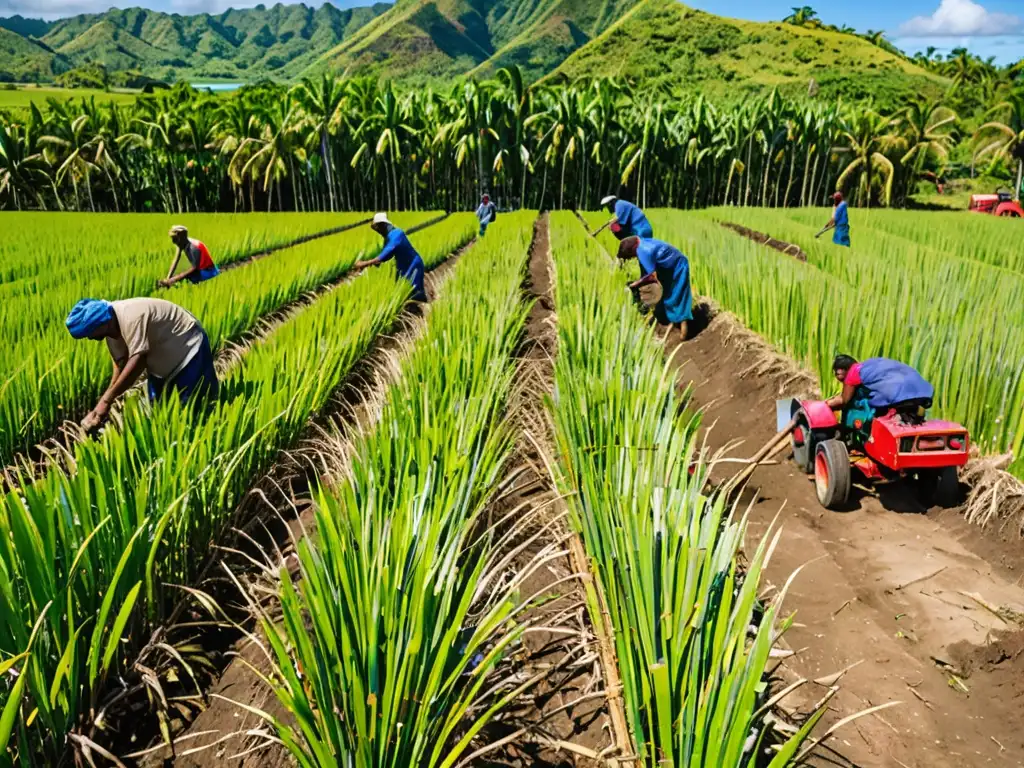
{"points": [[627, 220], [408, 263], [664, 264], [149, 336], [840, 221]]}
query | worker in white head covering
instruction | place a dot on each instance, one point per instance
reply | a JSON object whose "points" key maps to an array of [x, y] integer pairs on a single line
{"points": [[627, 220], [408, 263]]}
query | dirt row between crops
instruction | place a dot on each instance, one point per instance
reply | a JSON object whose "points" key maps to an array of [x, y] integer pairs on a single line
{"points": [[921, 602], [219, 732], [767, 240], [562, 722]]}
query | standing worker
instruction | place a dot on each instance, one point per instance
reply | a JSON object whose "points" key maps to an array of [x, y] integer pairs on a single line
{"points": [[486, 213], [150, 335], [661, 263], [202, 266], [408, 263], [840, 221], [627, 220]]}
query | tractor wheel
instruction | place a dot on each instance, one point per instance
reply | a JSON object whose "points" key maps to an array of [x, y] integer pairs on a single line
{"points": [[947, 488], [802, 441], [1009, 213], [832, 474]]}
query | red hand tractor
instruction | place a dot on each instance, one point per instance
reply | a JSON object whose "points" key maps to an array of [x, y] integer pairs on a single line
{"points": [[999, 204], [891, 447]]}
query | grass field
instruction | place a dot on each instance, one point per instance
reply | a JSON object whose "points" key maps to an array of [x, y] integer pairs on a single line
{"points": [[22, 97]]}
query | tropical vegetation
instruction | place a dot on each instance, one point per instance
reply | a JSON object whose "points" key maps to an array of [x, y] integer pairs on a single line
{"points": [[332, 144]]}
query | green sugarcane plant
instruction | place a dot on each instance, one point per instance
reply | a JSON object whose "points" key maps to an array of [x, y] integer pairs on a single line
{"points": [[381, 647], [93, 557], [49, 377], [665, 556]]}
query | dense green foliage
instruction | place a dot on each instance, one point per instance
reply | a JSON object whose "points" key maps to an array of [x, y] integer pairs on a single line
{"points": [[91, 555], [664, 554], [330, 144], [383, 642]]}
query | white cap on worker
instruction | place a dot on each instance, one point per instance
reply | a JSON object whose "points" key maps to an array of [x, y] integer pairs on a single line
{"points": [[178, 229], [609, 199], [380, 218]]}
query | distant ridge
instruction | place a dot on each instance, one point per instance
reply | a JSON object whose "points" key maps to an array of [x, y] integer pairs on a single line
{"points": [[437, 42]]}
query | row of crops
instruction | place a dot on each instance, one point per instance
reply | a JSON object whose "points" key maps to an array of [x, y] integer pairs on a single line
{"points": [[388, 644], [401, 608], [47, 377], [665, 555], [926, 296], [90, 555]]}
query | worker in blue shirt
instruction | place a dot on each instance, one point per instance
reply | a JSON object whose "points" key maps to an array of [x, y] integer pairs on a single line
{"points": [[662, 263], [408, 264], [840, 221], [628, 220]]}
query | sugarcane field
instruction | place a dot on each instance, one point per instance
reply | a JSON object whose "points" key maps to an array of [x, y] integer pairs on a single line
{"points": [[512, 384]]}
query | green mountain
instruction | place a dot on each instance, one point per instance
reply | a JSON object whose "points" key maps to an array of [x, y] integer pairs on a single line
{"points": [[664, 42], [417, 42], [437, 40], [23, 60], [279, 41]]}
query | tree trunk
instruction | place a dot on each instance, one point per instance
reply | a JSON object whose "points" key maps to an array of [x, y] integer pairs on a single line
{"points": [[561, 192], [325, 153]]}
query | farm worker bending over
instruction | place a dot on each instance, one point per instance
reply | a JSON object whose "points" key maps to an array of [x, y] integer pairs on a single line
{"points": [[487, 213], [840, 221], [149, 335], [408, 263], [628, 220], [661, 263], [877, 385], [197, 254]]}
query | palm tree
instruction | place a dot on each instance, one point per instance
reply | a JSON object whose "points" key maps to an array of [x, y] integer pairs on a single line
{"points": [[866, 135], [802, 16], [20, 172], [384, 127], [71, 139], [927, 128], [321, 99], [1004, 137]]}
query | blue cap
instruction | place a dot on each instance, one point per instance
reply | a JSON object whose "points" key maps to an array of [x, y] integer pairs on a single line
{"points": [[88, 315]]}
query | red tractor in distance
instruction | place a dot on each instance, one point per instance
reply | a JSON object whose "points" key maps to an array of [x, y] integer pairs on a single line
{"points": [[891, 447], [999, 204]]}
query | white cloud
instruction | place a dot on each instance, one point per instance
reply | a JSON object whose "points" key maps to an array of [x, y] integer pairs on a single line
{"points": [[959, 18], [51, 9]]}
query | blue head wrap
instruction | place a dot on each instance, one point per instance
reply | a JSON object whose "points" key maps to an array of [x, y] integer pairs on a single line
{"points": [[88, 315]]}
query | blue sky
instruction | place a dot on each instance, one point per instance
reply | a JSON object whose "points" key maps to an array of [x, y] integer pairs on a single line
{"points": [[987, 27]]}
